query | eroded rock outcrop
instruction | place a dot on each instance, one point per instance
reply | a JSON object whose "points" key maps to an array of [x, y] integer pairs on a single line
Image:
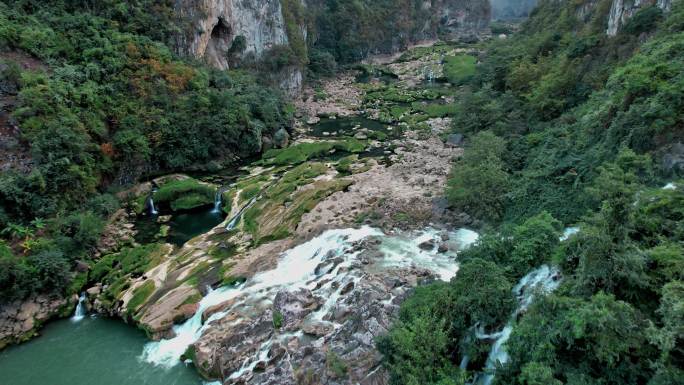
{"points": [[219, 28], [20, 320], [622, 10], [458, 18]]}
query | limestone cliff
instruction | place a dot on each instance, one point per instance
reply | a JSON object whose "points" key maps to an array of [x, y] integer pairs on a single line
{"points": [[220, 28], [623, 10], [225, 31], [459, 17]]}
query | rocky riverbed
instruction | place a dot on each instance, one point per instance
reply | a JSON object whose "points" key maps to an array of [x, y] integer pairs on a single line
{"points": [[314, 256]]}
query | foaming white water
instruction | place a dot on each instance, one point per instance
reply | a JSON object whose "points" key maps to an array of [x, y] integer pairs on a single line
{"points": [[670, 186], [404, 251], [540, 281], [80, 311], [324, 265], [167, 352], [568, 232], [295, 269], [153, 210]]}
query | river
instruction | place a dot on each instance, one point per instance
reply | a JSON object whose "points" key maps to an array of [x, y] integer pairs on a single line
{"points": [[92, 351]]}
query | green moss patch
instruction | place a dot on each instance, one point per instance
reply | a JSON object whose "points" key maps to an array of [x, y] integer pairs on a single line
{"points": [[302, 152], [186, 194], [140, 294]]}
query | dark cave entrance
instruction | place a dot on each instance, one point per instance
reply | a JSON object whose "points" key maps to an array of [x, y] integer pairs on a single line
{"points": [[222, 33]]}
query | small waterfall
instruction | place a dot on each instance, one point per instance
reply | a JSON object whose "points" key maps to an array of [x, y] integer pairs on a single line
{"points": [[670, 186], [568, 232], [150, 203], [236, 219], [80, 311], [217, 200], [429, 74], [542, 280]]}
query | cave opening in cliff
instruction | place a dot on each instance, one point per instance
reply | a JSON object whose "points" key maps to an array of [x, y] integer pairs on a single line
{"points": [[219, 44], [221, 33]]}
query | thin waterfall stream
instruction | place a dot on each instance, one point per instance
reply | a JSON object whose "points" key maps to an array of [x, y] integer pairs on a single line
{"points": [[80, 311]]}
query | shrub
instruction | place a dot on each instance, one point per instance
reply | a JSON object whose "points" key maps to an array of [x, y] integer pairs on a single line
{"points": [[459, 69], [277, 319], [478, 184]]}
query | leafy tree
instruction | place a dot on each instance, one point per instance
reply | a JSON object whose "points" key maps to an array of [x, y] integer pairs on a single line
{"points": [[478, 183]]}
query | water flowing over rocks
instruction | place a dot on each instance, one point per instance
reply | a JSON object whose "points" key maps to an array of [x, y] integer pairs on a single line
{"points": [[314, 316]]}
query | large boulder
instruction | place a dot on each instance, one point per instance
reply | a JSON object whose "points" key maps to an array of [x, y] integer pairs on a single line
{"points": [[281, 138]]}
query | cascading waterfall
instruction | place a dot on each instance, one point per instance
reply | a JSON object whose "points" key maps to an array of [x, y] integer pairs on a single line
{"points": [[80, 311], [295, 268], [298, 268], [540, 281]]}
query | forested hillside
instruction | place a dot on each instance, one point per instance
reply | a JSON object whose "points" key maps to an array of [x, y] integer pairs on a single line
{"points": [[104, 103], [566, 127]]}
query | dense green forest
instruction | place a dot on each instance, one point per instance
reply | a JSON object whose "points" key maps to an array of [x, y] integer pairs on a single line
{"points": [[104, 104], [566, 126]]}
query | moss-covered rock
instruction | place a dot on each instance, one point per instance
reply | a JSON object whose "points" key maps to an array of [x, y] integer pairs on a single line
{"points": [[185, 194]]}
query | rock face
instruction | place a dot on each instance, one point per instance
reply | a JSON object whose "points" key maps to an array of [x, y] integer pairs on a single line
{"points": [[221, 27], [323, 329], [623, 10], [512, 9], [459, 18], [19, 320]]}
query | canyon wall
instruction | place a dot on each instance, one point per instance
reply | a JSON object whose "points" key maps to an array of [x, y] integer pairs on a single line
{"points": [[623, 10], [220, 28], [225, 33]]}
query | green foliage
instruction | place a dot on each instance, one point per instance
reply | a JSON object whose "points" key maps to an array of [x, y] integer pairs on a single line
{"points": [[105, 102], [295, 17], [605, 334], [459, 69], [644, 20], [277, 319], [321, 64], [51, 269], [335, 365], [419, 347], [478, 183], [351, 30], [576, 124]]}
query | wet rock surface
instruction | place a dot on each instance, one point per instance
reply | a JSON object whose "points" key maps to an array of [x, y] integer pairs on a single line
{"points": [[326, 333], [20, 319]]}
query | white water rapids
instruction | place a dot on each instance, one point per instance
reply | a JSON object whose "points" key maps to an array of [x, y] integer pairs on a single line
{"points": [[297, 268], [540, 281]]}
